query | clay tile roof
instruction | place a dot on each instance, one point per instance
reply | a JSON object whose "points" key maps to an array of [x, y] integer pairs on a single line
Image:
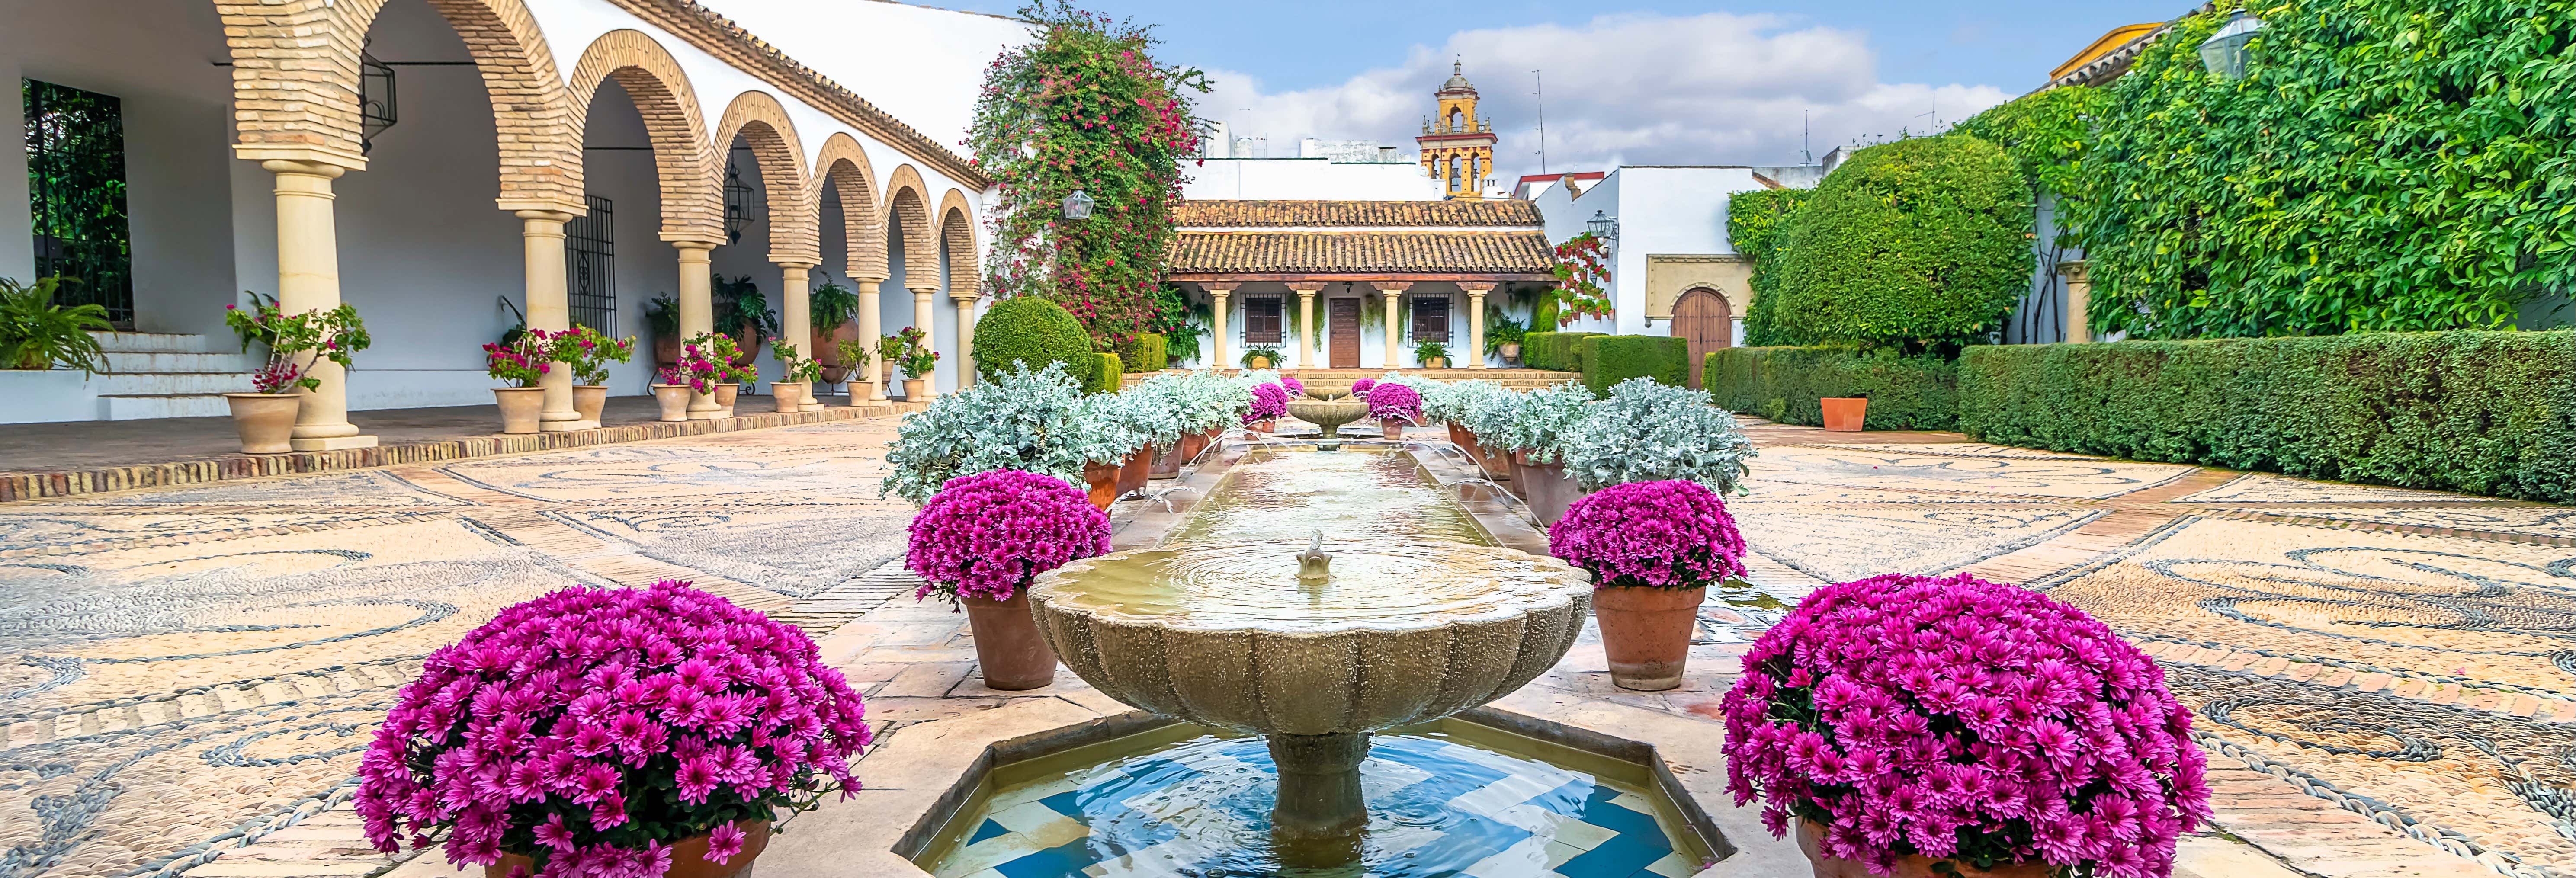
{"points": [[1288, 214], [1463, 252]]}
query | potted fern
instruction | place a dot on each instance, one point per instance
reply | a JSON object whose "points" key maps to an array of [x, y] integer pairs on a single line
{"points": [[37, 334], [1431, 354]]}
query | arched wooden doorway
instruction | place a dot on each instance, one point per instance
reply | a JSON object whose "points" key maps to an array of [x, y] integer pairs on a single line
{"points": [[1703, 319]]}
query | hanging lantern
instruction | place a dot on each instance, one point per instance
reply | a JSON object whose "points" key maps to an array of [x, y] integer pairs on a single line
{"points": [[375, 99], [1077, 206], [2224, 52], [1603, 226], [741, 209]]}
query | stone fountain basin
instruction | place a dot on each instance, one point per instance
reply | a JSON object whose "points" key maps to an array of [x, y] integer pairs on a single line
{"points": [[1328, 414], [1400, 637]]}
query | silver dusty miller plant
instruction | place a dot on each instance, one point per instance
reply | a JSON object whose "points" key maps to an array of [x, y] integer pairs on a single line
{"points": [[1023, 420], [1647, 431], [1539, 425]]}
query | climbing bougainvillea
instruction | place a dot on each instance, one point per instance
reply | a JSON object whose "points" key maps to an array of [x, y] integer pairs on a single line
{"points": [[1084, 106], [1582, 268]]}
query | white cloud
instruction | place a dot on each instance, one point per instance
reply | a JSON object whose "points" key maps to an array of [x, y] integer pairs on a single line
{"points": [[1622, 89]]}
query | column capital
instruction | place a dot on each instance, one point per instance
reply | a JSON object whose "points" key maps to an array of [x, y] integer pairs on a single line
{"points": [[922, 291], [551, 216], [858, 278], [685, 243], [798, 264], [1308, 288], [1476, 288], [964, 296], [1220, 288], [1391, 287], [2075, 271]]}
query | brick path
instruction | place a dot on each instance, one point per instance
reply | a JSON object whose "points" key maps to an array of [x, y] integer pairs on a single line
{"points": [[183, 670]]}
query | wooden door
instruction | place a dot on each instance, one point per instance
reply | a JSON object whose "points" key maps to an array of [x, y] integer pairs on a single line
{"points": [[1703, 319], [1344, 333]]}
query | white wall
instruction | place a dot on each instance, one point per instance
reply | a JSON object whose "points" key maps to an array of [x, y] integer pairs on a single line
{"points": [[921, 64], [1661, 210], [646, 267], [1313, 179]]}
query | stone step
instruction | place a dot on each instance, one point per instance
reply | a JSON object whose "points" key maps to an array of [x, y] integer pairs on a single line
{"points": [[170, 383], [166, 405], [150, 342], [178, 361]]}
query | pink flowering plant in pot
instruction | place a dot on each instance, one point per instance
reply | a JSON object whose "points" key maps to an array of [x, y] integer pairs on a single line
{"points": [[605, 731], [1395, 402], [1909, 724], [982, 539], [1652, 548], [1269, 401], [1361, 387]]}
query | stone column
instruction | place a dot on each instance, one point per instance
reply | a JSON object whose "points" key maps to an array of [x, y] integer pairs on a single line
{"points": [[1217, 294], [871, 328], [1306, 323], [550, 309], [966, 338], [697, 311], [1394, 291], [2079, 298], [1476, 323], [796, 327], [924, 320], [308, 279]]}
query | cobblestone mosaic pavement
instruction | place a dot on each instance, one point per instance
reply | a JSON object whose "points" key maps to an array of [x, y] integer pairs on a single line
{"points": [[184, 670]]}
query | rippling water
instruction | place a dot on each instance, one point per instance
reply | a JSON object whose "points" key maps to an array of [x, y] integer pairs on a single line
{"points": [[1357, 494]]}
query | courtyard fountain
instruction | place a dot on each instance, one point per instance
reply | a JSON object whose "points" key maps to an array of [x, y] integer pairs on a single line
{"points": [[1328, 407], [1228, 625]]}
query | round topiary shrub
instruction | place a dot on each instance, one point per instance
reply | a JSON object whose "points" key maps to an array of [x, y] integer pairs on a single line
{"points": [[1918, 243], [1035, 331]]}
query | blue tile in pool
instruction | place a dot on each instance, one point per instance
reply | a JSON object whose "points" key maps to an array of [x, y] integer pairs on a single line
{"points": [[1201, 808]]}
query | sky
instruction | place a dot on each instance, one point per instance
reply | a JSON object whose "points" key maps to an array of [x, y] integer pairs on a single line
{"points": [[1744, 83]]}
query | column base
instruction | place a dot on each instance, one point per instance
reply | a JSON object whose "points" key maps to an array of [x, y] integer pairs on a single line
{"points": [[565, 426], [331, 443], [810, 406]]}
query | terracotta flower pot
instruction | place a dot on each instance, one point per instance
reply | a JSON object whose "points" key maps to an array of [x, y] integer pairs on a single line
{"points": [[1133, 474], [674, 399], [885, 372], [520, 407], [688, 857], [1647, 632], [666, 350], [265, 421], [1191, 445], [787, 396], [1811, 840], [1391, 428], [1547, 489], [1007, 645], [725, 395], [1843, 414], [916, 389], [1260, 362], [1435, 362], [1166, 462], [1102, 479], [1466, 442], [1265, 425], [590, 400], [1511, 352]]}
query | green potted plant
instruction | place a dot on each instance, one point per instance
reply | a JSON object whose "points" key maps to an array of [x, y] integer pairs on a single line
{"points": [[1535, 435], [856, 357], [789, 395], [663, 315], [1260, 357], [587, 353], [918, 360], [37, 334], [1650, 431], [831, 307], [1503, 337], [524, 363], [265, 418], [1431, 354], [743, 311], [889, 349]]}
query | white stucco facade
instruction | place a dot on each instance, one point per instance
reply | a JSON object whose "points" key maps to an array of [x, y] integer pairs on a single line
{"points": [[1672, 220]]}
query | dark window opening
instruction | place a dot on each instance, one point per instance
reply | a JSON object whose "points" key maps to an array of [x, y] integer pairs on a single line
{"points": [[1431, 319], [76, 196], [590, 260], [1262, 320]]}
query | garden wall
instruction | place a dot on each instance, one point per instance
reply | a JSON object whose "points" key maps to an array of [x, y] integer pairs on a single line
{"points": [[2478, 412], [1784, 383]]}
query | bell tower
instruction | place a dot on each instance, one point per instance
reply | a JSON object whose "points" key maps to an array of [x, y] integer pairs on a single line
{"points": [[1457, 147]]}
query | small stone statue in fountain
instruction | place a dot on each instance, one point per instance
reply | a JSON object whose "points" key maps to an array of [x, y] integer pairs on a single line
{"points": [[1313, 566]]}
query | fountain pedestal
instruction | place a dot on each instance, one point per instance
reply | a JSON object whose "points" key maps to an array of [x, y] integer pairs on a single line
{"points": [[1319, 786]]}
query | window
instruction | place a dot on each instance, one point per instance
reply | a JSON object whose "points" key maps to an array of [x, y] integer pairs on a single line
{"points": [[76, 195], [1261, 320], [590, 258], [1431, 319]]}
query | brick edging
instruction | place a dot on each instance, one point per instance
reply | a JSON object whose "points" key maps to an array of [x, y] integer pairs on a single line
{"points": [[68, 483]]}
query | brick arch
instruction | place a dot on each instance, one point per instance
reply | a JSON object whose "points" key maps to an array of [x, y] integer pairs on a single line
{"points": [[908, 215], [843, 166], [757, 117], [957, 231], [692, 200], [295, 88]]}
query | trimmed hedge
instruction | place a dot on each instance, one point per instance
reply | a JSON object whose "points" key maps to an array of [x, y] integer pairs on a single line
{"points": [[1921, 243], [2479, 412], [1610, 359], [1558, 351], [1032, 330], [1784, 384], [1106, 377], [1144, 354]]}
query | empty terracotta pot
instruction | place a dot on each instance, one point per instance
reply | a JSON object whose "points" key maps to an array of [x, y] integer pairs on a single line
{"points": [[688, 857], [1007, 644], [1647, 632], [1811, 837], [265, 421], [674, 399], [1843, 414], [590, 400], [520, 407]]}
